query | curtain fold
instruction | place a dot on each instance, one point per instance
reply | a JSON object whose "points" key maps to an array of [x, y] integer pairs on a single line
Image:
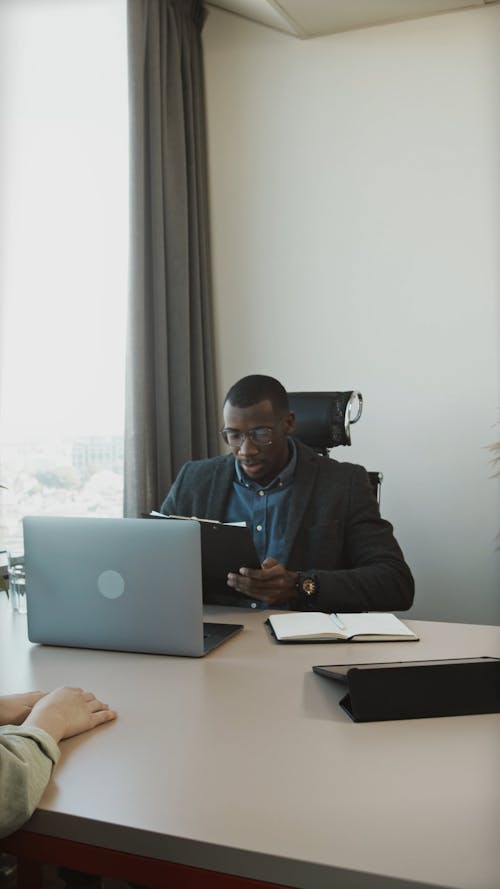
{"points": [[170, 381]]}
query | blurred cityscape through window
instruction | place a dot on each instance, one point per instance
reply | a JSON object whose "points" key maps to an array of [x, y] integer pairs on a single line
{"points": [[63, 258], [82, 476]]}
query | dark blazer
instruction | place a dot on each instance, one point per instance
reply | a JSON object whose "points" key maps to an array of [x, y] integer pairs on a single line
{"points": [[334, 529]]}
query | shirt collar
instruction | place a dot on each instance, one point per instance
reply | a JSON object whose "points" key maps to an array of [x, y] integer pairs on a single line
{"points": [[283, 478]]}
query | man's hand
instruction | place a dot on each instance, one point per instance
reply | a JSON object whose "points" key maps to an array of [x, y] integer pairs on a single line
{"points": [[271, 583], [15, 708]]}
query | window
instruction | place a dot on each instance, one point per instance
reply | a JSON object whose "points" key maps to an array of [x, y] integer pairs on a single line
{"points": [[63, 258]]}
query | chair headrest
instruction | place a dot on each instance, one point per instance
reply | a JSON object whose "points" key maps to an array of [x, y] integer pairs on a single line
{"points": [[323, 419]]}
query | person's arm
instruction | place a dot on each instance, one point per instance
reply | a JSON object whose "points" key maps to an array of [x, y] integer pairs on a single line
{"points": [[368, 571], [27, 757], [375, 576], [28, 752], [201, 489], [172, 503], [14, 709]]}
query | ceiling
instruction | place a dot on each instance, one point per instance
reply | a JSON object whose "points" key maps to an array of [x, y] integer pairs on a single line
{"points": [[314, 18]]}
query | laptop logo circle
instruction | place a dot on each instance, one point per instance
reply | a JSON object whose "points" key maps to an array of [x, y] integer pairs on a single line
{"points": [[111, 584]]}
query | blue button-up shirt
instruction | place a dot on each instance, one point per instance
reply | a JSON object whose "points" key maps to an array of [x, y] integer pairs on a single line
{"points": [[264, 509]]}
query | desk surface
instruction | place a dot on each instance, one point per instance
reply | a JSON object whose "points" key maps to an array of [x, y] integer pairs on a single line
{"points": [[243, 762]]}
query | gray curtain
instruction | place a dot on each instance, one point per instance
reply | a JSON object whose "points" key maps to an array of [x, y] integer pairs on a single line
{"points": [[170, 384]]}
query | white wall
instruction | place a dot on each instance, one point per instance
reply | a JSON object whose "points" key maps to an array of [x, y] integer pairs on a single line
{"points": [[355, 183]]}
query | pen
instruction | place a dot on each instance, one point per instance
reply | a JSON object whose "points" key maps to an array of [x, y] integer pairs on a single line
{"points": [[337, 621]]}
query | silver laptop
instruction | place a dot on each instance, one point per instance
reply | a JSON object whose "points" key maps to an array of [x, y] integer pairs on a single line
{"points": [[120, 584]]}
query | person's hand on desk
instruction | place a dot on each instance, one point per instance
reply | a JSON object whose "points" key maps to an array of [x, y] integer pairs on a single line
{"points": [[68, 711], [271, 583]]}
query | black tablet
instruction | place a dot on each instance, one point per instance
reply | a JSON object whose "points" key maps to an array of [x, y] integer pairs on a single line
{"points": [[340, 671]]}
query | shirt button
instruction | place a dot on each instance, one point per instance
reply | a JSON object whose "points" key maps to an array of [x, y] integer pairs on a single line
{"points": [[253, 605], [259, 527], [261, 493]]}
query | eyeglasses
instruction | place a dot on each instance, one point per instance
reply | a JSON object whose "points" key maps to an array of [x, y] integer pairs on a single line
{"points": [[260, 436]]}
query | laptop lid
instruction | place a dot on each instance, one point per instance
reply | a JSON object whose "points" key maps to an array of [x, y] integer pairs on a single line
{"points": [[119, 584]]}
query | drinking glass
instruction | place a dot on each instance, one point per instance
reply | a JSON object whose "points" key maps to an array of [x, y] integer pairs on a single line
{"points": [[17, 581]]}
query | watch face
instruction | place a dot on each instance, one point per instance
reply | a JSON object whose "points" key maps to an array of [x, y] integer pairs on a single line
{"points": [[309, 586]]}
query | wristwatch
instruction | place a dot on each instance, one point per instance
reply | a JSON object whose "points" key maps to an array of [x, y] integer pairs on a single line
{"points": [[307, 586]]}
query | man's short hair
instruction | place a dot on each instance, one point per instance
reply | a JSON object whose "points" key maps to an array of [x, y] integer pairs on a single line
{"points": [[258, 387]]}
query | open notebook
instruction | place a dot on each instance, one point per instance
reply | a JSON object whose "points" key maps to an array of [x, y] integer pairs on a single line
{"points": [[316, 626]]}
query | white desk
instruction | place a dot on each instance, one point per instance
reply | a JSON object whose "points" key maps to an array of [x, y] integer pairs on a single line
{"points": [[243, 763]]}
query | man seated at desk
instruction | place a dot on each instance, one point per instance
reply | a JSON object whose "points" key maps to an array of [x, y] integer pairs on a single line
{"points": [[315, 522]]}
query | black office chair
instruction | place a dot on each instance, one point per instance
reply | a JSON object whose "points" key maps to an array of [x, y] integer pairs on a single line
{"points": [[323, 421]]}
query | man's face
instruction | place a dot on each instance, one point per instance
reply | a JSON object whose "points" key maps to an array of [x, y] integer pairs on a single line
{"points": [[264, 456]]}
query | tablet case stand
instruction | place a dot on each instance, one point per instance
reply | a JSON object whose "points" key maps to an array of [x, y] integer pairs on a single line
{"points": [[411, 692]]}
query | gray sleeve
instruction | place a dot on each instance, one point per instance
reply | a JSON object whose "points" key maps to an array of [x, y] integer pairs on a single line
{"points": [[176, 502], [374, 576], [27, 756]]}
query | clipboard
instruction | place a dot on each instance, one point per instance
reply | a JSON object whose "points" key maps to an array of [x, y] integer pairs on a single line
{"points": [[418, 689], [224, 549]]}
